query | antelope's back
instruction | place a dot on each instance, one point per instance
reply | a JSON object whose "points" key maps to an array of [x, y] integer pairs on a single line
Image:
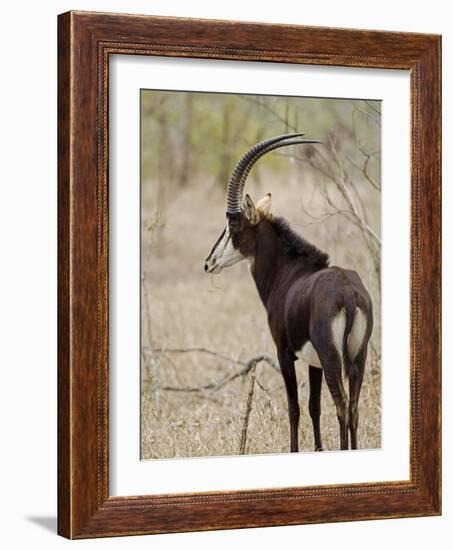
{"points": [[320, 296]]}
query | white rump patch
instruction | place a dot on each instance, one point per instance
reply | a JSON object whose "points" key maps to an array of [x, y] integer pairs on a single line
{"points": [[338, 328], [309, 355], [357, 334], [354, 342], [308, 352]]}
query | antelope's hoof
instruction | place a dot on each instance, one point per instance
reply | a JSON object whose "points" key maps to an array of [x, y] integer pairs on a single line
{"points": [[317, 449]]}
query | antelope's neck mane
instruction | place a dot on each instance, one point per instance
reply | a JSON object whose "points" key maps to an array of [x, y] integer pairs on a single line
{"points": [[294, 246]]}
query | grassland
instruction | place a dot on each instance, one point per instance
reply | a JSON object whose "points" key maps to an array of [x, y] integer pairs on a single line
{"points": [[185, 308]]}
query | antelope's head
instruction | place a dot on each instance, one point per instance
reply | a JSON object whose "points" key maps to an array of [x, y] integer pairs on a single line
{"points": [[237, 241]]}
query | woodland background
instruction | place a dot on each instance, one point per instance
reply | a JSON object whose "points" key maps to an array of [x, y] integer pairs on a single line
{"points": [[201, 394]]}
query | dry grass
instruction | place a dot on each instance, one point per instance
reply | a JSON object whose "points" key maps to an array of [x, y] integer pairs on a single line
{"points": [[189, 309]]}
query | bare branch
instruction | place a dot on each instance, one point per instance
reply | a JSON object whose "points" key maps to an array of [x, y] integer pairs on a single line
{"points": [[268, 108], [345, 191], [215, 386], [248, 409], [371, 116], [364, 169], [371, 106], [199, 350], [363, 225]]}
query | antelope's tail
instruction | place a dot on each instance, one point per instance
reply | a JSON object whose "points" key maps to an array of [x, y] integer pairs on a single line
{"points": [[350, 367]]}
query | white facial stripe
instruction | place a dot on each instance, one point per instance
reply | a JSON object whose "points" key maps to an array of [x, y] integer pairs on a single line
{"points": [[229, 254], [224, 254], [223, 243]]}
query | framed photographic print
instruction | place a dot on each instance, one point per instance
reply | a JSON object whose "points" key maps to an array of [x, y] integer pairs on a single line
{"points": [[249, 275]]}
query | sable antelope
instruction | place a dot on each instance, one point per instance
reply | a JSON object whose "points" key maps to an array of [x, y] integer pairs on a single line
{"points": [[315, 312]]}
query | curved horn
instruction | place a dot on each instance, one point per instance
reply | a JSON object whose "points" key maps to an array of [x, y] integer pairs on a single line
{"points": [[234, 196], [264, 152], [243, 167]]}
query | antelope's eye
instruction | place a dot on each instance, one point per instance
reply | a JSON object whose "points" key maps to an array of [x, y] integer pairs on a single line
{"points": [[234, 225]]}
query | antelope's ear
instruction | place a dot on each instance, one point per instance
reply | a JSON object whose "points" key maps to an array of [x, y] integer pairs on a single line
{"points": [[250, 211], [264, 205]]}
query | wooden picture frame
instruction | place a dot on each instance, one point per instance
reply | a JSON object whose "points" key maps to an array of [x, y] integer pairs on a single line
{"points": [[85, 42]]}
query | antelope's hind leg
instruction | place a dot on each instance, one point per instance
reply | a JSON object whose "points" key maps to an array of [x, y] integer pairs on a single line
{"points": [[355, 384], [331, 362], [314, 403], [286, 361], [332, 372]]}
